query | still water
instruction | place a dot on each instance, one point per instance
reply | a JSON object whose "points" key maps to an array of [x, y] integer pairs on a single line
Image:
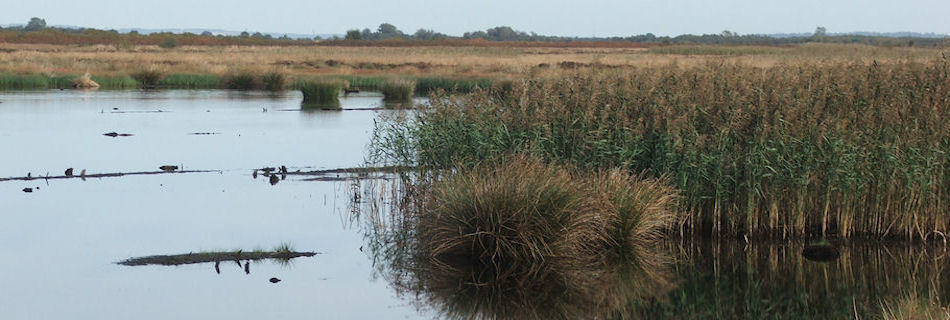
{"points": [[60, 242]]}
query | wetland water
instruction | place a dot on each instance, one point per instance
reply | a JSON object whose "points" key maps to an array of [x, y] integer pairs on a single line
{"points": [[61, 241]]}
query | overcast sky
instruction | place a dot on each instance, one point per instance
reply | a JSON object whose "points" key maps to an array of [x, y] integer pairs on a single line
{"points": [[547, 17]]}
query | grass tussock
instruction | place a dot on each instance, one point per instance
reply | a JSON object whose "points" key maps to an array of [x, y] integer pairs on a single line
{"points": [[191, 81], [321, 93], [519, 211], [274, 81], [783, 151], [518, 238], [398, 90], [241, 81], [149, 77]]}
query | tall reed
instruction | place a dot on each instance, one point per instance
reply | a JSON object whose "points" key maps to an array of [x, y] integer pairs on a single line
{"points": [[398, 91], [843, 148], [321, 93]]}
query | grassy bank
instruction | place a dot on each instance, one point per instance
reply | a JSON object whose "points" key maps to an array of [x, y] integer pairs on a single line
{"points": [[784, 151]]}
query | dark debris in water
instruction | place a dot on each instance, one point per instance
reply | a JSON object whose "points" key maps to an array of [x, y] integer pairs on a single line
{"points": [[83, 175], [216, 257], [115, 134]]}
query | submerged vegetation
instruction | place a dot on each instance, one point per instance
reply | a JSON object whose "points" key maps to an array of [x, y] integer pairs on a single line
{"points": [[851, 149]]}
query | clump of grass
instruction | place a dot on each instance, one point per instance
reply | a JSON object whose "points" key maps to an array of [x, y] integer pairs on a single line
{"points": [[190, 81], [284, 247], [321, 93], [518, 238], [521, 210], [398, 90], [241, 81], [148, 78], [274, 81], [637, 209]]}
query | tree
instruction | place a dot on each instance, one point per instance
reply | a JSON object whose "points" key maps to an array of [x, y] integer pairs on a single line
{"points": [[206, 33], [820, 32], [428, 34], [386, 31], [353, 35], [35, 24], [244, 34]]}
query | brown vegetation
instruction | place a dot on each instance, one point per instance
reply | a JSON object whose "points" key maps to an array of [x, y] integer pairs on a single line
{"points": [[510, 60]]}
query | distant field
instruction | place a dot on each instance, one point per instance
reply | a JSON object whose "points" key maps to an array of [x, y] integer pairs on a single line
{"points": [[451, 60]]}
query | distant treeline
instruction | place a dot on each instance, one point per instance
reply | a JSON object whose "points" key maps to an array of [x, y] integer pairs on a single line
{"points": [[387, 31], [36, 31]]}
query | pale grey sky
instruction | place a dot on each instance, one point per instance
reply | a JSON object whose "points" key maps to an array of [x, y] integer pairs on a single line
{"points": [[547, 17]]}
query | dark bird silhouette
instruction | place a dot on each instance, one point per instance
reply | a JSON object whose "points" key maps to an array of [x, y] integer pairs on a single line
{"points": [[274, 280], [283, 170], [254, 174], [821, 252], [247, 267], [217, 267], [274, 179], [168, 168], [29, 176], [268, 169], [69, 172], [28, 190]]}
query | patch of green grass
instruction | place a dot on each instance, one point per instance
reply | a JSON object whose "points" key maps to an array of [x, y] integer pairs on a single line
{"points": [[117, 82], [190, 81], [20, 82]]}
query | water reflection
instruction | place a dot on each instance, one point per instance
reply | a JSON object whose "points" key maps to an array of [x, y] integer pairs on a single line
{"points": [[732, 280], [678, 278]]}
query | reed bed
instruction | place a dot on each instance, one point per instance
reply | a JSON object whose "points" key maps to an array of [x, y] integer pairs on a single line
{"points": [[398, 91], [833, 148]]}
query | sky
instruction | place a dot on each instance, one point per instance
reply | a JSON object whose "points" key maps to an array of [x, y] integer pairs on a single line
{"points": [[547, 17]]}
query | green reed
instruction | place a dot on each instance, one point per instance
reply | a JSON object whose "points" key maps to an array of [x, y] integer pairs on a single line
{"points": [[320, 93]]}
